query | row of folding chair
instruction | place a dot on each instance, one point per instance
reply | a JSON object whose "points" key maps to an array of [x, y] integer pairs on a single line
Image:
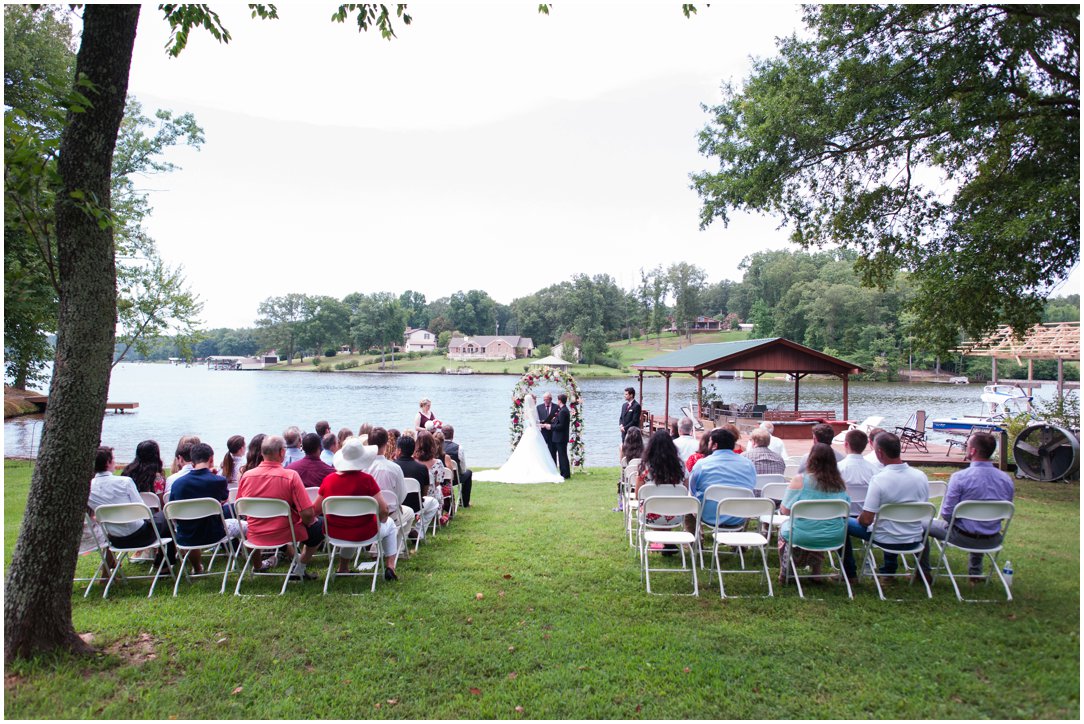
{"points": [[735, 502]]}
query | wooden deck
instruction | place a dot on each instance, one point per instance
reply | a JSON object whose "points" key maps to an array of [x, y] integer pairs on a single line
{"points": [[936, 457], [117, 407]]}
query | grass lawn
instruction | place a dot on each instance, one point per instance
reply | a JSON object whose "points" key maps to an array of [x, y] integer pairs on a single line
{"points": [[531, 598]]}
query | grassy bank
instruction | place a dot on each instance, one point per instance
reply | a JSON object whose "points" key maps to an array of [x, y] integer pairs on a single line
{"points": [[628, 353], [564, 629]]}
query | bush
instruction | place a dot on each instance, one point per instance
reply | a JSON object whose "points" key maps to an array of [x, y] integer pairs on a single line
{"points": [[330, 352], [323, 368], [316, 360], [348, 365]]}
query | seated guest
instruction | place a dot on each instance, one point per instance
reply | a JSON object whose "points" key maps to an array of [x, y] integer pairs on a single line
{"points": [[146, 470], [632, 450], [270, 479], [330, 445], [738, 447], [364, 430], [660, 465], [389, 476], [776, 445], [350, 478], [685, 442], [897, 482], [702, 451], [979, 481], [183, 462], [764, 459], [451, 447], [822, 482], [178, 463], [234, 459], [311, 468], [109, 489], [722, 467], [411, 468], [292, 436], [391, 451], [871, 456], [255, 454], [822, 433], [446, 461], [200, 482], [855, 469], [322, 428]]}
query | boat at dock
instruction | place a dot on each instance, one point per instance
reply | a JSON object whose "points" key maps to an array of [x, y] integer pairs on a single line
{"points": [[998, 401]]}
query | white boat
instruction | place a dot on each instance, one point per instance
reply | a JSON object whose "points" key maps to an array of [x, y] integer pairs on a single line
{"points": [[997, 401]]}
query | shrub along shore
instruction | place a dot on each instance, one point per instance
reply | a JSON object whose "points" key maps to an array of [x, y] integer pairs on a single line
{"points": [[530, 605]]}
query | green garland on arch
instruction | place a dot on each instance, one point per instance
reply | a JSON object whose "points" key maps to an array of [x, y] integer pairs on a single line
{"points": [[539, 375]]}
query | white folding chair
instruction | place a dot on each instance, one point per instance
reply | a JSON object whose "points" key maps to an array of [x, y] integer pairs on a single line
{"points": [[938, 488], [151, 501], [92, 540], [918, 515], [743, 508], [766, 478], [352, 506], [819, 510], [403, 521], [449, 479], [672, 506], [628, 488], [454, 479], [314, 493], [459, 474], [119, 514], [715, 493], [413, 486], [266, 508], [790, 471], [978, 510], [648, 490], [196, 509], [773, 492]]}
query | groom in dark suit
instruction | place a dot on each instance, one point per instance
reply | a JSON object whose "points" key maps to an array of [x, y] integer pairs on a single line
{"points": [[559, 431], [547, 414], [630, 413]]}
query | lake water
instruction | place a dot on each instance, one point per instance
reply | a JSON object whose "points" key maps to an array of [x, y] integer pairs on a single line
{"points": [[177, 400]]}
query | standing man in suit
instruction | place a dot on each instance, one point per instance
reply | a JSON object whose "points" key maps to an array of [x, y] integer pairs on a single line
{"points": [[630, 412], [559, 430], [547, 414]]}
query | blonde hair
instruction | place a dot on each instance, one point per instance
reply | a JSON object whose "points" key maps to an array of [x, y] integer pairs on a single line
{"points": [[424, 401]]}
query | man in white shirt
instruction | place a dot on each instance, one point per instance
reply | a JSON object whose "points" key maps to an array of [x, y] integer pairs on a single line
{"points": [[292, 436], [897, 483], [184, 459], [855, 469], [109, 489], [775, 444], [389, 476], [685, 442], [871, 456]]}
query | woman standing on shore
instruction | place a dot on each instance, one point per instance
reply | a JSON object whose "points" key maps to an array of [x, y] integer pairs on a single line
{"points": [[425, 414]]}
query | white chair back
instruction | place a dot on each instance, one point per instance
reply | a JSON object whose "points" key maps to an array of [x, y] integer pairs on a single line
{"points": [[193, 509], [821, 510], [984, 510], [120, 513], [151, 501], [720, 492], [745, 507], [352, 506], [774, 492], [670, 505], [314, 493], [766, 478], [938, 488]]}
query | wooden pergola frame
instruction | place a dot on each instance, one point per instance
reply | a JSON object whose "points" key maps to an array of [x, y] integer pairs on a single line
{"points": [[1053, 341]]}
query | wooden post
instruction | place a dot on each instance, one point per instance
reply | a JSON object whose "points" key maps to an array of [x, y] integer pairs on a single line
{"points": [[993, 370], [666, 407], [1031, 366], [797, 379], [641, 398], [699, 393], [1061, 377], [846, 414], [1003, 451], [756, 387]]}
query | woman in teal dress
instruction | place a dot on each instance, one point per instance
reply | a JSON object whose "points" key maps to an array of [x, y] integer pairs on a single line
{"points": [[821, 481]]}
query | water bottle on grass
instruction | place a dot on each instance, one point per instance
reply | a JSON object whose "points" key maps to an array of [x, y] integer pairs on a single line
{"points": [[1007, 572]]}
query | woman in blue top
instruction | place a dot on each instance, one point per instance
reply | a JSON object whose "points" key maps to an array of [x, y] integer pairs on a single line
{"points": [[821, 481]]}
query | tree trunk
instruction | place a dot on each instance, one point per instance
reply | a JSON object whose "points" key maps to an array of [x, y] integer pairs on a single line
{"points": [[37, 604]]}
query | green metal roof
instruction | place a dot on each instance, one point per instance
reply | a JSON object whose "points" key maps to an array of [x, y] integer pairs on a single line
{"points": [[714, 356]]}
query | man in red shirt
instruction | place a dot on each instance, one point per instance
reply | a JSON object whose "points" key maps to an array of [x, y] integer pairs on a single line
{"points": [[350, 478], [270, 480]]}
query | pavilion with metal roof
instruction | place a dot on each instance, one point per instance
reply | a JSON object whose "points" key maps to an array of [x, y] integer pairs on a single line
{"points": [[759, 356]]}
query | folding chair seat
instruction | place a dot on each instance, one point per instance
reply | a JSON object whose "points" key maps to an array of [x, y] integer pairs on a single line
{"points": [[93, 540], [819, 510], [773, 492], [403, 521], [266, 508], [914, 513], [978, 510], [649, 490], [352, 506], [119, 514], [717, 493], [756, 508], [766, 478], [673, 506], [196, 509]]}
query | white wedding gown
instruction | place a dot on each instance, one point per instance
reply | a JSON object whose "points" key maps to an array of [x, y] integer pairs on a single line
{"points": [[530, 462]]}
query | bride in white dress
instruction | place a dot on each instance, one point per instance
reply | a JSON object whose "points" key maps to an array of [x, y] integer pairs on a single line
{"points": [[530, 462]]}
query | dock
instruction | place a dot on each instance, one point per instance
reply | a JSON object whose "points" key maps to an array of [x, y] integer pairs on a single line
{"points": [[118, 408]]}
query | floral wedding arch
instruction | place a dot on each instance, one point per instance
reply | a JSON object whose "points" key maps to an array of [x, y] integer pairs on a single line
{"points": [[536, 376]]}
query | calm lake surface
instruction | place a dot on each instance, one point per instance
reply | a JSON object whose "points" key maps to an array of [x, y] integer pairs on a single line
{"points": [[177, 400]]}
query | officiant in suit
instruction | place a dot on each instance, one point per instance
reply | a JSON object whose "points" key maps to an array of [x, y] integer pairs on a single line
{"points": [[559, 429], [630, 413], [547, 413]]}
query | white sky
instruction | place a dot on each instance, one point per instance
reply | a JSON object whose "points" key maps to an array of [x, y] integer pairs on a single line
{"points": [[487, 147]]}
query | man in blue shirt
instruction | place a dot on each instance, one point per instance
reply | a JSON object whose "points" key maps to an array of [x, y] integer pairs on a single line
{"points": [[722, 467], [200, 482]]}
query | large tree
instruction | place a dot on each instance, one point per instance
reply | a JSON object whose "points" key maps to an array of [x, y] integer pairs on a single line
{"points": [[943, 139], [37, 601]]}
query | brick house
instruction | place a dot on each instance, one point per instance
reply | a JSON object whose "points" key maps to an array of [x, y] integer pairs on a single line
{"points": [[505, 347]]}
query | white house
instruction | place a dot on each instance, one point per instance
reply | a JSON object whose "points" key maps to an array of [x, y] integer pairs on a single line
{"points": [[505, 347], [419, 340]]}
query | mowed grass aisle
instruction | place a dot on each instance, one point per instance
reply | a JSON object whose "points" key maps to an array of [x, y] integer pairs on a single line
{"points": [[563, 629]]}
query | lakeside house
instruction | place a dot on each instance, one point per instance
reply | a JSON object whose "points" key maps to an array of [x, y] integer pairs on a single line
{"points": [[702, 323], [504, 347], [419, 340]]}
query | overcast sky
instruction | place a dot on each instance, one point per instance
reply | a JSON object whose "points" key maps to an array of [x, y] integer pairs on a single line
{"points": [[487, 147]]}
